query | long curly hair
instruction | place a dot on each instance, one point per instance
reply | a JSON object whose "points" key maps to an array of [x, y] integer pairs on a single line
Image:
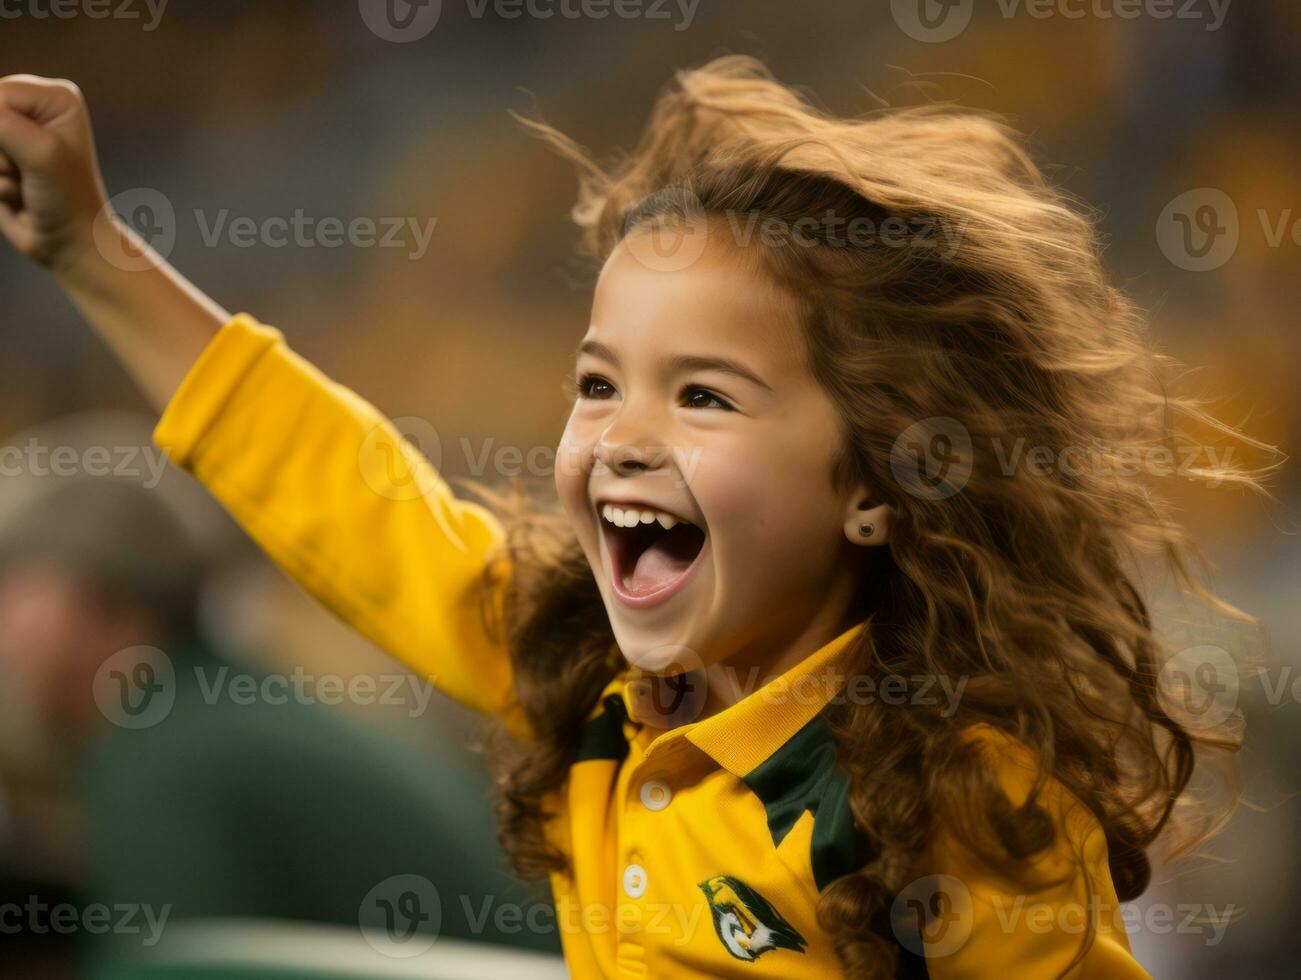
{"points": [[986, 319]]}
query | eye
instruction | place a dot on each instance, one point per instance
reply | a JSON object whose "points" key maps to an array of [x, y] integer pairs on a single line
{"points": [[696, 397], [593, 386]]}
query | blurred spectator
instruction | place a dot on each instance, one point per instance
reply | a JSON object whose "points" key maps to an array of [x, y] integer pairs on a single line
{"points": [[195, 796]]}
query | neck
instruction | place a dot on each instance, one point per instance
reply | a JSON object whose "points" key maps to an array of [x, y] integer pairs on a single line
{"points": [[745, 672]]}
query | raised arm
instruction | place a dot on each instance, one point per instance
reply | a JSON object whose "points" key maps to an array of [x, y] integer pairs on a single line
{"points": [[53, 209], [318, 477], [343, 503]]}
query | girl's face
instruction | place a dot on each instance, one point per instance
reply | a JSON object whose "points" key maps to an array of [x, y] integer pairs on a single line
{"points": [[694, 403]]}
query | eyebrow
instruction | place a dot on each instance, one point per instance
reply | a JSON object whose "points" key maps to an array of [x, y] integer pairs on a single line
{"points": [[682, 362]]}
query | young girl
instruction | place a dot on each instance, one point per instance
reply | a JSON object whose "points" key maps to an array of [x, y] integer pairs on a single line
{"points": [[813, 672]]}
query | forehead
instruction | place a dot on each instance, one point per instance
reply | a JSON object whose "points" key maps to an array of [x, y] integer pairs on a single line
{"points": [[722, 302]]}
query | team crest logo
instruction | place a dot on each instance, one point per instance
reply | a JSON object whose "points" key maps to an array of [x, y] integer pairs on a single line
{"points": [[745, 921]]}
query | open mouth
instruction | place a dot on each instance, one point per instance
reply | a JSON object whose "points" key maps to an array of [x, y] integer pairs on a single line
{"points": [[652, 552]]}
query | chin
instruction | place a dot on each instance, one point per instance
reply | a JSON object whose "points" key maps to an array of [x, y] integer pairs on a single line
{"points": [[656, 654]]}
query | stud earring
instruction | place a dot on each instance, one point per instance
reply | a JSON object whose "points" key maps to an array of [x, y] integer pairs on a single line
{"points": [[867, 530]]}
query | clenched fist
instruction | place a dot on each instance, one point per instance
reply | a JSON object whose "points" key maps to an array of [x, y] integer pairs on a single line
{"points": [[50, 187]]}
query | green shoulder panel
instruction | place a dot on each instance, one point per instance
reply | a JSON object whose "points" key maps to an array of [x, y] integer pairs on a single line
{"points": [[803, 775]]}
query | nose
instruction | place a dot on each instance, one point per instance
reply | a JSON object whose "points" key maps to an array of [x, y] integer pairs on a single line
{"points": [[628, 444]]}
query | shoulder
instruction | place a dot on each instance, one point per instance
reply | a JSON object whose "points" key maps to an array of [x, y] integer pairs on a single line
{"points": [[1053, 913], [1017, 769]]}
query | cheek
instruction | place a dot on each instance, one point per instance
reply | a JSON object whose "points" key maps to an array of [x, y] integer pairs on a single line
{"points": [[35, 643], [574, 456], [770, 497]]}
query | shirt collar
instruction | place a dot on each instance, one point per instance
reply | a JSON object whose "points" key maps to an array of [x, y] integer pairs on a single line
{"points": [[746, 733]]}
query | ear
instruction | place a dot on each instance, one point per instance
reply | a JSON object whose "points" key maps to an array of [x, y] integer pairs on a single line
{"points": [[866, 523]]}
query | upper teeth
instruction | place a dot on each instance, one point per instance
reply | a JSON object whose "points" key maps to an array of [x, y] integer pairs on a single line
{"points": [[632, 516]]}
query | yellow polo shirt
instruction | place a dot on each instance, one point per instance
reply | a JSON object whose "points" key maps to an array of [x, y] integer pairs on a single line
{"points": [[698, 849]]}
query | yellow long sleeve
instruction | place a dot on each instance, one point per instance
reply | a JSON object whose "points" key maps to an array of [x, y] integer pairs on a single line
{"points": [[331, 491]]}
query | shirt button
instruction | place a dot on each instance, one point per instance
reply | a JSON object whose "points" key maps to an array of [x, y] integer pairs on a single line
{"points": [[634, 881], [655, 794]]}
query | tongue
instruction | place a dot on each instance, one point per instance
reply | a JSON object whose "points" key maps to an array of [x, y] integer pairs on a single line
{"points": [[658, 565]]}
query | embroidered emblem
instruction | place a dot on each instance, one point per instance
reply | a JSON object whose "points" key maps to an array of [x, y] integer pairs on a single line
{"points": [[745, 921]]}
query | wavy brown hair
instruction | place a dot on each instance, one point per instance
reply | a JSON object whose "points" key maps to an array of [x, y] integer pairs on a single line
{"points": [[983, 314]]}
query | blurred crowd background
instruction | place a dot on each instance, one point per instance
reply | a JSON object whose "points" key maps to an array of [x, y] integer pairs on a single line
{"points": [[266, 109]]}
